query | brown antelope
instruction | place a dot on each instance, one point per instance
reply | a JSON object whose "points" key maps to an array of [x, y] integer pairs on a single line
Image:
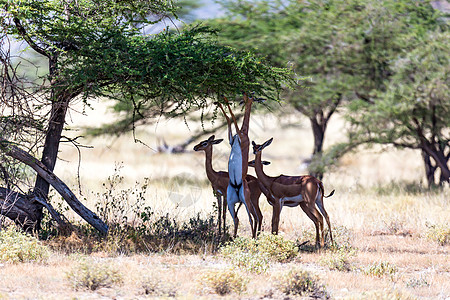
{"points": [[219, 182], [238, 189], [306, 191]]}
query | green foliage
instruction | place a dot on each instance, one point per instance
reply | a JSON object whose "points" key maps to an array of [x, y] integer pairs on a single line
{"points": [[94, 275], [439, 233], [223, 282], [255, 255], [16, 247], [301, 283]]}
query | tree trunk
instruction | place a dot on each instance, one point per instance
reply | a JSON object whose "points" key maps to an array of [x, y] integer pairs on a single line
{"points": [[318, 127], [429, 170]]}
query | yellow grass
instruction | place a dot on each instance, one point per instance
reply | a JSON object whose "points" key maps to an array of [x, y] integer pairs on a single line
{"points": [[384, 226]]}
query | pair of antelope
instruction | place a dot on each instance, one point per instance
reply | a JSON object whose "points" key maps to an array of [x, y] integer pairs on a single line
{"points": [[236, 186]]}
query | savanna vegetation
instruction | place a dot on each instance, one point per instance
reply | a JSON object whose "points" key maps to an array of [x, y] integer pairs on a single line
{"points": [[91, 209]]}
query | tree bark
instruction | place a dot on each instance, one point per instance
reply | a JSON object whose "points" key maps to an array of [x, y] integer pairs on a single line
{"points": [[59, 185]]}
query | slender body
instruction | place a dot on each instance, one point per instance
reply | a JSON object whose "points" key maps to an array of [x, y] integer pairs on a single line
{"points": [[219, 182], [306, 191], [238, 189]]}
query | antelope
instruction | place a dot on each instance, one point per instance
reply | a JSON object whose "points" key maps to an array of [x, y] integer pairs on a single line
{"points": [[306, 191], [238, 189], [219, 182]]}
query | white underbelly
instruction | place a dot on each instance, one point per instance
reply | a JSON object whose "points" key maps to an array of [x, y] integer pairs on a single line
{"points": [[291, 201]]}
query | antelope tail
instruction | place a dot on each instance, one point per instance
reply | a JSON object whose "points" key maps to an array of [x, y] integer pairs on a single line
{"points": [[331, 194]]}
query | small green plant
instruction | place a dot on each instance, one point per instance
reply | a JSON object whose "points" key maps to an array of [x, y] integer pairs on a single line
{"points": [[381, 269], [439, 233], [94, 275], [300, 282], [223, 282], [338, 260], [16, 246], [417, 282]]}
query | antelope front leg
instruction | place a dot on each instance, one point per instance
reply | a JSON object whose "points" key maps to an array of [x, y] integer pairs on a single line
{"points": [[219, 208], [224, 214], [276, 216]]}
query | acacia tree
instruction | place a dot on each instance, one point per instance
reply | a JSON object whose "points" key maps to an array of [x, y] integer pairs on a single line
{"points": [[96, 49]]}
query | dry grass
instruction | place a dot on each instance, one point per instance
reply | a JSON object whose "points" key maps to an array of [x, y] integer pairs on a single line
{"points": [[381, 213]]}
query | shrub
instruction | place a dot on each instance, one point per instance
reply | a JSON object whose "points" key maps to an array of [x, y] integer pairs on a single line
{"points": [[255, 255], [16, 246], [438, 233], [223, 282], [276, 247], [94, 275], [244, 253], [302, 283], [381, 269]]}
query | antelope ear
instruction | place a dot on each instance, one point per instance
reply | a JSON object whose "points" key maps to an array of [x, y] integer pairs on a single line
{"points": [[267, 143], [211, 138], [217, 141], [253, 143], [265, 162], [251, 163]]}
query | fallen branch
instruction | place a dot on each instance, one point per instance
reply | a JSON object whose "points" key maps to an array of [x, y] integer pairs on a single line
{"points": [[15, 152]]}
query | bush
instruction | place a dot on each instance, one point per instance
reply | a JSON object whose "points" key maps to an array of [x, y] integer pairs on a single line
{"points": [[223, 282], [302, 283], [276, 247], [255, 255], [94, 275], [244, 253], [16, 246], [438, 233]]}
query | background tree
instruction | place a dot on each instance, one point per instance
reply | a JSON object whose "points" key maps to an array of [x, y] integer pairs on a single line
{"points": [[97, 49], [413, 110], [346, 49]]}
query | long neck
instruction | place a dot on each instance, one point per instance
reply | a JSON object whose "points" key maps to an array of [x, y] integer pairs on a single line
{"points": [[246, 120], [265, 180], [212, 175]]}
